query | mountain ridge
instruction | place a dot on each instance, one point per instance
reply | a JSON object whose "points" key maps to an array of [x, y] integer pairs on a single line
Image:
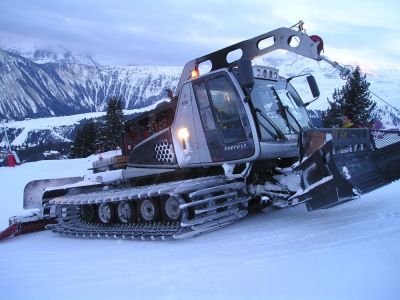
{"points": [[31, 90], [54, 54]]}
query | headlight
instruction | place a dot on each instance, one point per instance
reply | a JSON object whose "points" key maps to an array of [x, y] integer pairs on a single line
{"points": [[183, 134]]}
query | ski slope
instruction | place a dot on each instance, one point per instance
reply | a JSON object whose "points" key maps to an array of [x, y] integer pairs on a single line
{"points": [[351, 251]]}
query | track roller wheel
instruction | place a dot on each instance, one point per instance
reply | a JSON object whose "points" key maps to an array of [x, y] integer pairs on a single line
{"points": [[106, 213], [148, 210], [88, 213], [170, 208], [126, 212]]}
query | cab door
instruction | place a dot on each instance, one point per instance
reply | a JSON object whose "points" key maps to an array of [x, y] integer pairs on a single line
{"points": [[225, 124]]}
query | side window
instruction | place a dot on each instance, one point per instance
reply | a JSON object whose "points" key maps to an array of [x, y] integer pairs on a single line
{"points": [[204, 106], [223, 99], [225, 102]]}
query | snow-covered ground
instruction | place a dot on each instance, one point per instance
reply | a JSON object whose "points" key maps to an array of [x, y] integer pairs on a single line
{"points": [[348, 252]]}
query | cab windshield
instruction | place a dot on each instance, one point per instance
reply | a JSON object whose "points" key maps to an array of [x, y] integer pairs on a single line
{"points": [[279, 109]]}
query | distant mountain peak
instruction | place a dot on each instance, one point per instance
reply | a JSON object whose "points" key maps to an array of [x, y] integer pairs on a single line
{"points": [[55, 54]]}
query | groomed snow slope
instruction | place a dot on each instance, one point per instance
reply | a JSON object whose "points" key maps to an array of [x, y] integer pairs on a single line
{"points": [[348, 252]]}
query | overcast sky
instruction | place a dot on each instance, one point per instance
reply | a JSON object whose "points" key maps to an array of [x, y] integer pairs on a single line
{"points": [[172, 32]]}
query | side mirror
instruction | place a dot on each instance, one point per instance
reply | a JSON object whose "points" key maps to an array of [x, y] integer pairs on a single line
{"points": [[246, 77], [313, 86]]}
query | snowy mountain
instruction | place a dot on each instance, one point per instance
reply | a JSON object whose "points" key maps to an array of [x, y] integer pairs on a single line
{"points": [[55, 54], [56, 82], [64, 83], [31, 90], [389, 117]]}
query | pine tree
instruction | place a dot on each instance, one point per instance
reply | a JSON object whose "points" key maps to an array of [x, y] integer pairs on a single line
{"points": [[85, 142], [354, 98], [357, 98], [113, 125]]}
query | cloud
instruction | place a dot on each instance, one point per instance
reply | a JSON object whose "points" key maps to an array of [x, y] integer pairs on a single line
{"points": [[325, 14], [172, 32]]}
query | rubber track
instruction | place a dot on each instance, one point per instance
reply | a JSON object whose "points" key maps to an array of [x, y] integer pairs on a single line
{"points": [[70, 223]]}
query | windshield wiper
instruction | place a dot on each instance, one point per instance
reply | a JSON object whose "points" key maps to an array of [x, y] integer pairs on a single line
{"points": [[279, 133], [284, 110], [295, 120]]}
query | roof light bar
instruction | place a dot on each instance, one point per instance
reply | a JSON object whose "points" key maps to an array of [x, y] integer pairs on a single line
{"points": [[265, 72]]}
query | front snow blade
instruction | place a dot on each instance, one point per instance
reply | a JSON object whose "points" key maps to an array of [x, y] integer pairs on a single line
{"points": [[33, 191], [33, 195], [344, 163]]}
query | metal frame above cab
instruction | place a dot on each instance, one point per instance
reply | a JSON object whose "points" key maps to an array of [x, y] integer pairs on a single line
{"points": [[278, 39]]}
